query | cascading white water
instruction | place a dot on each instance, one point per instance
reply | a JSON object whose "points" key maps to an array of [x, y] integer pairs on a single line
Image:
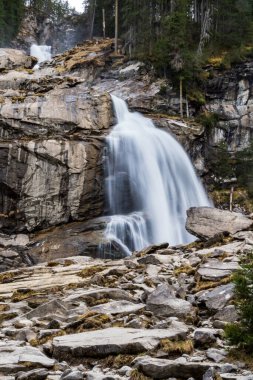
{"points": [[41, 52], [150, 183]]}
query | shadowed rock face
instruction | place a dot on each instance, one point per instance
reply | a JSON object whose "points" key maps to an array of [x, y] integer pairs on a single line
{"points": [[51, 158], [48, 182]]}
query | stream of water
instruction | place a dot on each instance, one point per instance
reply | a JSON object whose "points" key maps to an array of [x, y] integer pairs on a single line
{"points": [[150, 183]]}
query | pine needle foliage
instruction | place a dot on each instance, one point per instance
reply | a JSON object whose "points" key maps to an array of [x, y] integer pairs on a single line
{"points": [[241, 334]]}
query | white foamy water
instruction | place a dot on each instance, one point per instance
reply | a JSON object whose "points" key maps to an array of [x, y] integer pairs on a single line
{"points": [[41, 52], [150, 183]]}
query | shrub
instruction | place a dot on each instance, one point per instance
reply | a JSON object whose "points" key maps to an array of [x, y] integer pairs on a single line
{"points": [[241, 333]]}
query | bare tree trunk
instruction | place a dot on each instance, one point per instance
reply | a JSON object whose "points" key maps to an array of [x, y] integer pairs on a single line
{"points": [[103, 11], [181, 96], [187, 107], [116, 25], [93, 19], [231, 199], [206, 25]]}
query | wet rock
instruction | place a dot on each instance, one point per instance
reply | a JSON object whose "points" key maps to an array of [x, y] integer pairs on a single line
{"points": [[206, 222], [163, 302], [112, 341]]}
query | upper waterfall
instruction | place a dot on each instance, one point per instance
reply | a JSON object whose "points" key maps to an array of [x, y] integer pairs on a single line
{"points": [[150, 183], [41, 52]]}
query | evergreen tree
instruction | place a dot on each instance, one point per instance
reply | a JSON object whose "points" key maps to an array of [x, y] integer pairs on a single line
{"points": [[11, 13], [241, 333]]}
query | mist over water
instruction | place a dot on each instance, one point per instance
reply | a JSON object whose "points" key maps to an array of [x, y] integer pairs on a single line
{"points": [[150, 183]]}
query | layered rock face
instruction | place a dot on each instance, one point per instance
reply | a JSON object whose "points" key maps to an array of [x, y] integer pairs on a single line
{"points": [[52, 132], [229, 95]]}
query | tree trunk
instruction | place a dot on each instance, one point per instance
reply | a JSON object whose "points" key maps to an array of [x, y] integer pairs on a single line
{"points": [[181, 96], [116, 25], [103, 11], [93, 19], [231, 199]]}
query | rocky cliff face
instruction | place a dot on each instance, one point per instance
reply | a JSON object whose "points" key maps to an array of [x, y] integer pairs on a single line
{"points": [[52, 131], [53, 122], [230, 96], [61, 34]]}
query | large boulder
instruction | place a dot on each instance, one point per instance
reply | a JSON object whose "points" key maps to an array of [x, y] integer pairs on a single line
{"points": [[206, 222], [163, 302], [12, 58]]}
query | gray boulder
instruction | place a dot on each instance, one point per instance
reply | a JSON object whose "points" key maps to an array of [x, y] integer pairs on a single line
{"points": [[163, 368], [12, 58], [163, 302], [216, 299], [206, 222]]}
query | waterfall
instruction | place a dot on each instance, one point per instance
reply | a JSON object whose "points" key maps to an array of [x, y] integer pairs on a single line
{"points": [[150, 183], [41, 52]]}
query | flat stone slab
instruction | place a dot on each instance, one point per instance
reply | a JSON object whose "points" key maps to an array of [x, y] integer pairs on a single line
{"points": [[118, 307], [215, 270], [231, 248], [13, 357], [163, 368], [206, 222], [113, 341], [98, 293]]}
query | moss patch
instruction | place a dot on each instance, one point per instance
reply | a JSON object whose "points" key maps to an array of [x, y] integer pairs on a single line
{"points": [[137, 375], [23, 294], [89, 321], [176, 348], [6, 277], [90, 271], [7, 316], [203, 285], [185, 269]]}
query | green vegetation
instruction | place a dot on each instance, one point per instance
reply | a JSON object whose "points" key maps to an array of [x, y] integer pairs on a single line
{"points": [[179, 36], [241, 333], [42, 9], [244, 168], [230, 169], [11, 13]]}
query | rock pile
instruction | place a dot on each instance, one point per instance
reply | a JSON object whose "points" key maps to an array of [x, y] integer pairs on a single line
{"points": [[158, 314]]}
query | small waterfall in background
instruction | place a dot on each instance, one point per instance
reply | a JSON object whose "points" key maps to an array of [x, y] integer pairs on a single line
{"points": [[41, 52], [150, 183]]}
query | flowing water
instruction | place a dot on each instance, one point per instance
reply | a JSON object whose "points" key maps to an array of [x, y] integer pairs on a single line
{"points": [[150, 183], [41, 52]]}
